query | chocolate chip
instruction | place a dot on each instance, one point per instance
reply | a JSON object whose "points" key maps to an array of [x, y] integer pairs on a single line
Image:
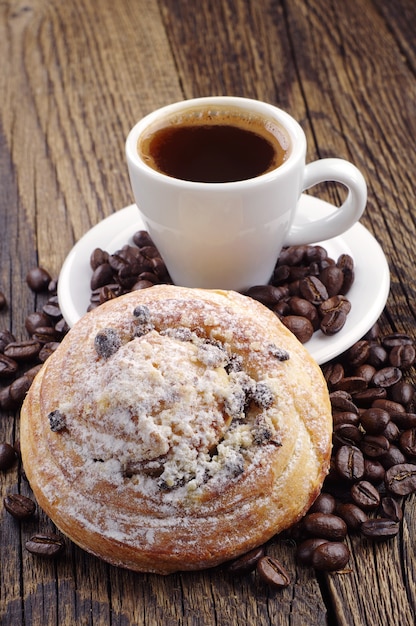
{"points": [[278, 353], [211, 355], [181, 333], [263, 395], [57, 421], [107, 342], [142, 314]]}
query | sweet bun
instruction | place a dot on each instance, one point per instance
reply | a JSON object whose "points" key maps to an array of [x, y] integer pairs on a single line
{"points": [[175, 429]]}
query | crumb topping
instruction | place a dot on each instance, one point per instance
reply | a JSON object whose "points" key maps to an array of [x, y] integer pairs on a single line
{"points": [[169, 407]]}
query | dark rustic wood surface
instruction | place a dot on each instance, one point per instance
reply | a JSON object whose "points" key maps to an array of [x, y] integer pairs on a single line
{"points": [[74, 77]]}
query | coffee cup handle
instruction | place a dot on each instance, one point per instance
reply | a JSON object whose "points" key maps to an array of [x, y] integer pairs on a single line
{"points": [[305, 229]]}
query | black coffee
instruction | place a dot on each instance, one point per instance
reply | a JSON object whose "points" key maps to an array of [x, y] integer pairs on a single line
{"points": [[215, 147]]}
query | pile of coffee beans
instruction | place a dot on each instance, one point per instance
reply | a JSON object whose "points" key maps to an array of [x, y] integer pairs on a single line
{"points": [[133, 267], [373, 463], [21, 359], [307, 290]]}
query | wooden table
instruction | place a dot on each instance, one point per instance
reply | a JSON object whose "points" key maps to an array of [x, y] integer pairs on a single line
{"points": [[75, 76]]}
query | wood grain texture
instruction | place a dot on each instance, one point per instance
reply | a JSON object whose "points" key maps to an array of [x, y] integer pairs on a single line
{"points": [[74, 78]]}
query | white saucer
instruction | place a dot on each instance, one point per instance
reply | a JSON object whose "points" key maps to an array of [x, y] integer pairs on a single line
{"points": [[368, 294]]}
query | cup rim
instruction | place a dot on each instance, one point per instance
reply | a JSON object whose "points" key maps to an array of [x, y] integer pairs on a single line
{"points": [[291, 126]]}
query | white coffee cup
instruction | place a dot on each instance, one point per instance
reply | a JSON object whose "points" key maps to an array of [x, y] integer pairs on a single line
{"points": [[228, 235]]}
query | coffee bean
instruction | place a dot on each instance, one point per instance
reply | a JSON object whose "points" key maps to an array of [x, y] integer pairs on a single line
{"points": [[333, 373], [395, 339], [346, 435], [304, 308], [402, 356], [292, 255], [324, 503], [358, 353], [377, 355], [379, 529], [345, 417], [141, 238], [401, 479], [272, 572], [102, 275], [349, 462], [52, 310], [98, 257], [23, 350], [374, 446], [34, 320], [330, 556], [342, 401], [247, 562], [333, 305], [407, 442], [159, 268], [374, 333], [346, 263], [8, 366], [38, 279], [301, 327], [365, 371], [390, 508], [109, 292], [391, 407], [45, 334], [352, 515], [45, 545], [267, 294], [333, 322], [20, 507], [306, 548], [325, 525], [368, 397], [333, 278], [19, 389], [3, 301], [48, 349], [6, 402], [373, 471], [402, 392], [387, 377], [312, 289], [141, 284], [404, 420], [351, 384], [365, 495], [7, 456], [374, 421], [391, 432], [393, 456], [61, 328], [6, 337]]}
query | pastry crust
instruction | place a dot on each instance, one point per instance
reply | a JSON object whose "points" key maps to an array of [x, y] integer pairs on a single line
{"points": [[175, 429]]}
